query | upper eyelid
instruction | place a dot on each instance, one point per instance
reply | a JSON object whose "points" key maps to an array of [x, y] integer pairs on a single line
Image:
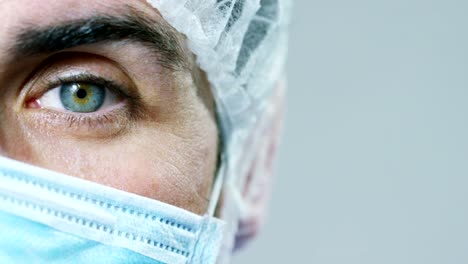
{"points": [[81, 66]]}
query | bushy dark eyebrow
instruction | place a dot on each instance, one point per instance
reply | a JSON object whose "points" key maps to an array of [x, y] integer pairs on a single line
{"points": [[102, 28]]}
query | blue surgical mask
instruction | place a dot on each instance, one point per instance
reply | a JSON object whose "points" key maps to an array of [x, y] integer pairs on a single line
{"points": [[46, 217]]}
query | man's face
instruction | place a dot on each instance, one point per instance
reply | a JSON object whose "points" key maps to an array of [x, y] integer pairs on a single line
{"points": [[106, 91]]}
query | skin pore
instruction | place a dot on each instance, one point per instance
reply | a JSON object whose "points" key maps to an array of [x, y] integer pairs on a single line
{"points": [[156, 136]]}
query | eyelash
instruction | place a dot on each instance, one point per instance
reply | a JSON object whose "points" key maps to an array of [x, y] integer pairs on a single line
{"points": [[82, 121]]}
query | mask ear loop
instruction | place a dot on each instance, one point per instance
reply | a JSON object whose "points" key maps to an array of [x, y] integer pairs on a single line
{"points": [[217, 187]]}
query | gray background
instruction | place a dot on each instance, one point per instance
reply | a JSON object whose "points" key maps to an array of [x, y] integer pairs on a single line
{"points": [[374, 155]]}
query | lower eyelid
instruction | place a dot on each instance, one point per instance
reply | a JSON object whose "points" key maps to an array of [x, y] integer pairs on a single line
{"points": [[87, 125]]}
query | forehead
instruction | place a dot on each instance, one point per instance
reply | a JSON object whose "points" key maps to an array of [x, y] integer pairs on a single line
{"points": [[17, 14], [46, 11]]}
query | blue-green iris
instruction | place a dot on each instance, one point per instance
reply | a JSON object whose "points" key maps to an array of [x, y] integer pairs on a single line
{"points": [[82, 97]]}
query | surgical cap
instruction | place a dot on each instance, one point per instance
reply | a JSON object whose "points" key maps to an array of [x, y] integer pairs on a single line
{"points": [[241, 45]]}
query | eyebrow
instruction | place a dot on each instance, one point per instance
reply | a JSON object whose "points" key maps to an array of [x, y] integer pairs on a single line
{"points": [[103, 28]]}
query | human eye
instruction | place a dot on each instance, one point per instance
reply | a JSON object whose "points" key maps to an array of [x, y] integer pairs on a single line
{"points": [[84, 97], [81, 94]]}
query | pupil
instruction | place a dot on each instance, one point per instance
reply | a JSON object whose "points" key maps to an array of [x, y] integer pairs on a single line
{"points": [[81, 93]]}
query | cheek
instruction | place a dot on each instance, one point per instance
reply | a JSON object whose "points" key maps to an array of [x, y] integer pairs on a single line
{"points": [[12, 136], [149, 162]]}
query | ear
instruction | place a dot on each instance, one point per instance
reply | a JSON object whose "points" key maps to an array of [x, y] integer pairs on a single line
{"points": [[258, 185]]}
